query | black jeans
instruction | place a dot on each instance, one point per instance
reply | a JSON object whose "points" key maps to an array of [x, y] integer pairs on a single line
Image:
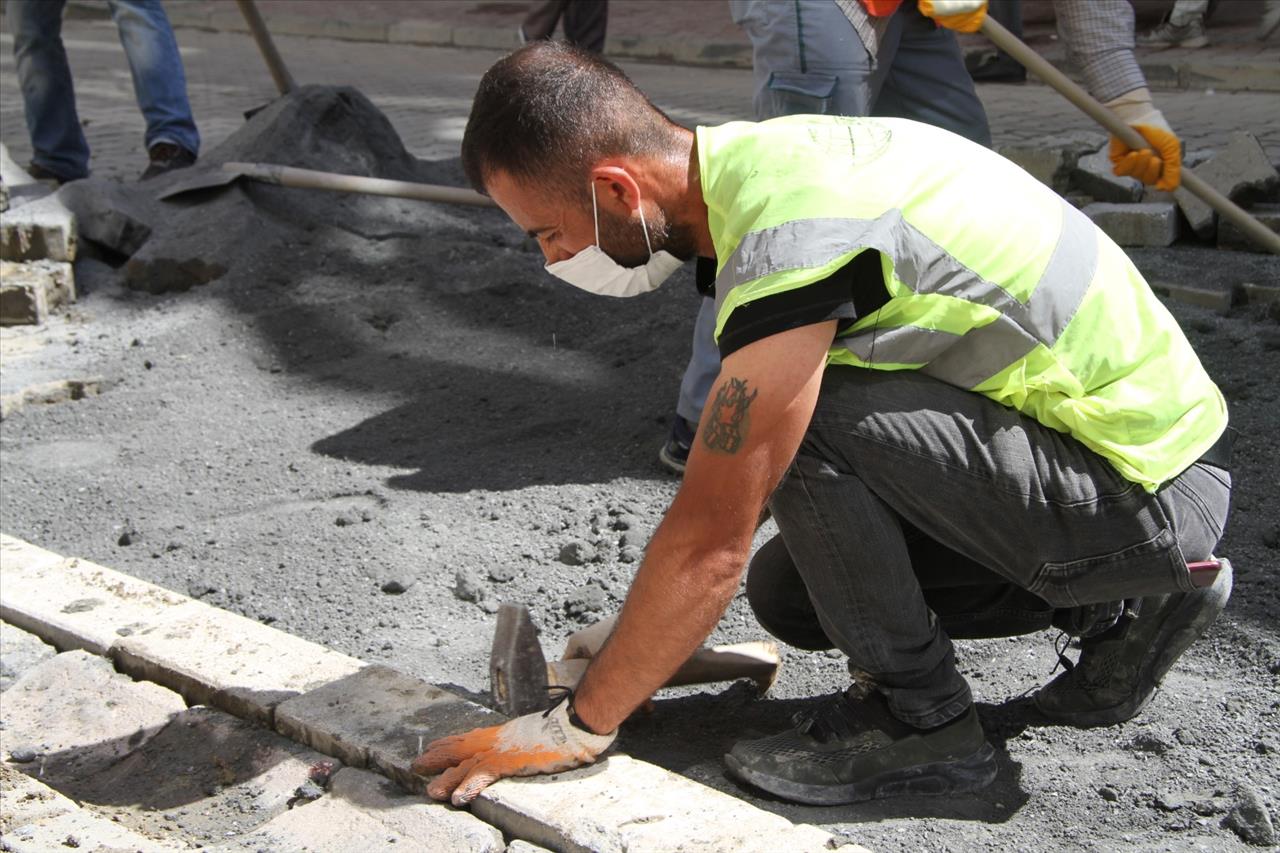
{"points": [[914, 508]]}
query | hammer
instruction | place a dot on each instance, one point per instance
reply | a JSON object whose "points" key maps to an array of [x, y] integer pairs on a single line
{"points": [[520, 675]]}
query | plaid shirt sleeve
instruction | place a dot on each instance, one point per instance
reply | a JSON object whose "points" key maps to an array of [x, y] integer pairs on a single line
{"points": [[1098, 35]]}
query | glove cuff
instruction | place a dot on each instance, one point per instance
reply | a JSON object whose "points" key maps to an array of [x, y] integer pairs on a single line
{"points": [[1136, 107]]}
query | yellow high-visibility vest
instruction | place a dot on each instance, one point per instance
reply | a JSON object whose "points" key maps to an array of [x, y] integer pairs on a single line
{"points": [[995, 283]]}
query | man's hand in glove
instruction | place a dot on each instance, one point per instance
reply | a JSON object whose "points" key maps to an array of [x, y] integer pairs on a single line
{"points": [[1159, 165], [542, 742], [964, 16]]}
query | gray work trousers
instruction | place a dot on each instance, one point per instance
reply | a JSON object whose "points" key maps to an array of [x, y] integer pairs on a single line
{"points": [[808, 58], [908, 492]]}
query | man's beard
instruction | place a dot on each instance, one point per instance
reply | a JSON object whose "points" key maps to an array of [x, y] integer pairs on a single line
{"points": [[622, 238]]}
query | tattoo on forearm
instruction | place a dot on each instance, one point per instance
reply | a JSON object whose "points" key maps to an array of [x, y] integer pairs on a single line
{"points": [[726, 427]]}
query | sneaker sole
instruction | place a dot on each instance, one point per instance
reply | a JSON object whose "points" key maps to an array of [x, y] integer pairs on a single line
{"points": [[1166, 648], [675, 466], [944, 777]]}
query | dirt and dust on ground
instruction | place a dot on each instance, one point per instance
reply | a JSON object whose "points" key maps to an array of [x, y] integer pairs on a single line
{"points": [[377, 419]]}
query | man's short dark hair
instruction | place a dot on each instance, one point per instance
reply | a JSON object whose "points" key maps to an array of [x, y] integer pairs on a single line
{"points": [[549, 111]]}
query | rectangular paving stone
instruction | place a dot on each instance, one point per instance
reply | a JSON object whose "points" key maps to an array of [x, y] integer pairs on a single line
{"points": [[623, 804], [1219, 297], [42, 230], [27, 800], [80, 716], [91, 832], [214, 657], [19, 652], [379, 718], [1147, 224], [1241, 172], [365, 811], [1051, 159], [1093, 175], [76, 604]]}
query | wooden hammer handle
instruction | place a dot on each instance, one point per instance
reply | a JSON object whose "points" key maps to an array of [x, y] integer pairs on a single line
{"points": [[757, 661]]}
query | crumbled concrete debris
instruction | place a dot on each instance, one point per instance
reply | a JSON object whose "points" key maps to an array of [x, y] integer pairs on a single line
{"points": [[467, 586], [577, 553], [30, 291], [585, 600]]}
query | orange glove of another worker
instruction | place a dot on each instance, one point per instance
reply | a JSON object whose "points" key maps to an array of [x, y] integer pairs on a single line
{"points": [[541, 742], [1161, 164], [963, 16]]}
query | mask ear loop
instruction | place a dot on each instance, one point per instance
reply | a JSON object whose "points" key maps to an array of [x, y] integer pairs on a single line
{"points": [[595, 213]]}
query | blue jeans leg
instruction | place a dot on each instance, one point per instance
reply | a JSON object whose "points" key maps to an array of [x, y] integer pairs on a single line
{"points": [[48, 96], [159, 81], [704, 365]]}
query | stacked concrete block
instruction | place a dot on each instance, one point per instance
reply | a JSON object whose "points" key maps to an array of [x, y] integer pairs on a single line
{"points": [[1241, 172], [37, 246], [1147, 224]]}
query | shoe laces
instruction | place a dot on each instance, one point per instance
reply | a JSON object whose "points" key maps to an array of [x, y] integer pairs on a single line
{"points": [[834, 717]]}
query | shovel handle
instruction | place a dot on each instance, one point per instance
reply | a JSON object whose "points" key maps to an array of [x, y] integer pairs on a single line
{"points": [[290, 176], [1039, 66], [266, 46]]}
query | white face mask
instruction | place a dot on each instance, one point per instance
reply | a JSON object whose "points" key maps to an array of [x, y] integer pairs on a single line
{"points": [[595, 272]]}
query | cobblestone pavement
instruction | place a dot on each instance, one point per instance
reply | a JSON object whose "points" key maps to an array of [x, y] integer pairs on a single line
{"points": [[426, 92]]}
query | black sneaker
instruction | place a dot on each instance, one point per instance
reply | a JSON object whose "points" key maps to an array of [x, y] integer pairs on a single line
{"points": [[40, 173], [995, 68], [165, 157], [851, 749], [674, 455], [1120, 669]]}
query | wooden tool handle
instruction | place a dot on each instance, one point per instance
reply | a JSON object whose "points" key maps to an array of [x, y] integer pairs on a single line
{"points": [[289, 176], [266, 46], [1039, 66], [757, 661]]}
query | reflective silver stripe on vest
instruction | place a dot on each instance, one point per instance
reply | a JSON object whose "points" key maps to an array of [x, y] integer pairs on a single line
{"points": [[927, 268]]}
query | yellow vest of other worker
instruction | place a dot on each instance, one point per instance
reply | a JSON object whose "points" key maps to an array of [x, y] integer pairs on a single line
{"points": [[995, 283]]}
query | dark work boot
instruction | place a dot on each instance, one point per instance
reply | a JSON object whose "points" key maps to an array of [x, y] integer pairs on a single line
{"points": [[851, 749], [1120, 669], [165, 157]]}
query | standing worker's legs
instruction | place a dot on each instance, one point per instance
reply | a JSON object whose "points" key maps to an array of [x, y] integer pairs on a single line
{"points": [[541, 21], [48, 96], [925, 78], [159, 81], [1030, 504], [806, 58], [585, 22]]}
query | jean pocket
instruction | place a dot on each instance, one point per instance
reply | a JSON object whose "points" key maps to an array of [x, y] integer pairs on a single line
{"points": [[1154, 567], [795, 93]]}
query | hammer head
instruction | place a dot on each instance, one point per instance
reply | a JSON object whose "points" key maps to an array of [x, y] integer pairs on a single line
{"points": [[517, 668]]}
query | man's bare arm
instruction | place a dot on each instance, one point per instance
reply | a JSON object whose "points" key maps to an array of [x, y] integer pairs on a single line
{"points": [[758, 412]]}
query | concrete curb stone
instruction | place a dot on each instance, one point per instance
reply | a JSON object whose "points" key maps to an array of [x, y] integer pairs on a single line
{"points": [[89, 831], [27, 800], [363, 810], [623, 804], [1241, 168], [379, 718], [368, 715]]}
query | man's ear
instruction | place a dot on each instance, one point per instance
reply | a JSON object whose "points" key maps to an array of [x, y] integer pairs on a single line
{"points": [[616, 189]]}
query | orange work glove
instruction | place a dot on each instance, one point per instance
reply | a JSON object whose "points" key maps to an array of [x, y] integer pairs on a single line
{"points": [[963, 16], [1160, 165], [541, 742]]}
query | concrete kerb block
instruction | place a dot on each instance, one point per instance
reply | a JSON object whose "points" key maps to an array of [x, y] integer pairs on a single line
{"points": [[1241, 172], [75, 604], [420, 31], [623, 804], [380, 719], [487, 37], [1217, 298], [1261, 294], [214, 657], [360, 807], [1228, 78], [27, 800], [43, 229], [1149, 224], [91, 831]]}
